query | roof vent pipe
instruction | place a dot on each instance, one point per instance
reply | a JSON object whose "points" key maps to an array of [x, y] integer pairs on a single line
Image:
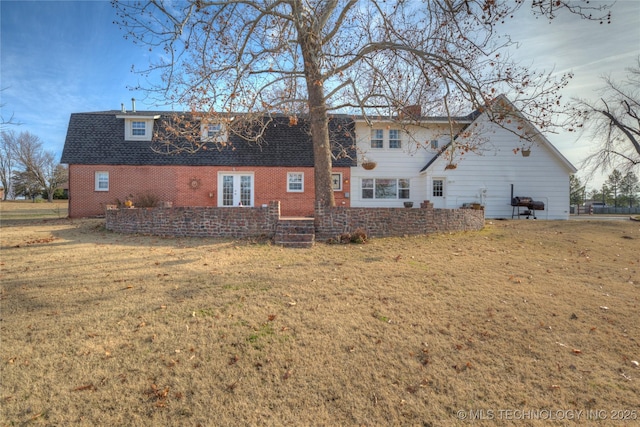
{"points": [[122, 108], [133, 104]]}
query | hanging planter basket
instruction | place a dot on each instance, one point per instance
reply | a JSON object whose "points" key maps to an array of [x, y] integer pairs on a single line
{"points": [[450, 166], [525, 152], [369, 165]]}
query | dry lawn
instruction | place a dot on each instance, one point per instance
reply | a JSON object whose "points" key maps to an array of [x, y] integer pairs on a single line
{"points": [[105, 329]]}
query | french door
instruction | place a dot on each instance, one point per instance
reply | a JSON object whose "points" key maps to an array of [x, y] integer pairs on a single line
{"points": [[236, 189]]}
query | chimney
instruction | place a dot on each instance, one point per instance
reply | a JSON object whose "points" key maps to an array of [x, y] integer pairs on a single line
{"points": [[413, 112], [122, 108], [133, 105]]}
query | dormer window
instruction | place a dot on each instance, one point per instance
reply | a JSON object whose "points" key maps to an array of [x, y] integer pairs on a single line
{"points": [[138, 126], [214, 132], [137, 129]]}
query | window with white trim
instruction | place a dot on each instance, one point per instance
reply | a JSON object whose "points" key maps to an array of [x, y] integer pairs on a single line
{"points": [[403, 188], [102, 181], [295, 182], [138, 128], [215, 132], [394, 138], [438, 188], [377, 138], [434, 144], [385, 188], [336, 181]]}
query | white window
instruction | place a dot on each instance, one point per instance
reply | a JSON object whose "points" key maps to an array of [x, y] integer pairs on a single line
{"points": [[215, 132], [295, 182], [394, 138], [434, 144], [384, 188], [336, 181], [102, 181], [377, 138], [438, 188], [403, 188], [138, 128]]}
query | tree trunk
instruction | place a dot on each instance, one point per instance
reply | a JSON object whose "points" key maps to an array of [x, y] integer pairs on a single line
{"points": [[319, 122]]}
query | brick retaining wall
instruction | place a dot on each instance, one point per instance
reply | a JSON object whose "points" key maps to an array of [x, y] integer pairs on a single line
{"points": [[389, 222], [239, 222], [236, 222]]}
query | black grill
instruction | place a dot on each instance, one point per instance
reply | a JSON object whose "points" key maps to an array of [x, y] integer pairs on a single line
{"points": [[530, 205]]}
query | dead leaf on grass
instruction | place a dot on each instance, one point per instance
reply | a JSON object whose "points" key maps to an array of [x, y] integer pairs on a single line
{"points": [[43, 240], [87, 387]]}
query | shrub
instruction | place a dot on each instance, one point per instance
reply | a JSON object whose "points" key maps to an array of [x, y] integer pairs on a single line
{"points": [[357, 236], [147, 200]]}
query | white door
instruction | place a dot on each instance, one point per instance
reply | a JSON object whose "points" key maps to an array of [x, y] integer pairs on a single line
{"points": [[437, 193], [235, 189]]}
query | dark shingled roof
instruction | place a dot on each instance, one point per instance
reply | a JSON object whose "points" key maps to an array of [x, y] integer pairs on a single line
{"points": [[97, 138]]}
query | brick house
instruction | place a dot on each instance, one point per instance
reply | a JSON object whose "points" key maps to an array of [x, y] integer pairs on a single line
{"points": [[110, 160]]}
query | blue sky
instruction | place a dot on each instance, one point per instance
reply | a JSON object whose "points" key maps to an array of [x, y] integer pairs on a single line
{"points": [[61, 57]]}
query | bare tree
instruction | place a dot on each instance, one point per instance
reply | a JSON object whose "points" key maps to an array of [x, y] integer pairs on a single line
{"points": [[613, 121], [7, 162], [316, 57], [25, 184], [6, 121], [39, 168]]}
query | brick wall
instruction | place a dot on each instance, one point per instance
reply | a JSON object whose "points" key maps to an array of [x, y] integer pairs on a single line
{"points": [[388, 222], [330, 223], [235, 222], [173, 184]]}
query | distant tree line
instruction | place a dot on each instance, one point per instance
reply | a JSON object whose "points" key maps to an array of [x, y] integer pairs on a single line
{"points": [[618, 190], [27, 170]]}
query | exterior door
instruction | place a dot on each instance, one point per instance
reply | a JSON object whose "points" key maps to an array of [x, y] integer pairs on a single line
{"points": [[438, 192], [235, 189]]}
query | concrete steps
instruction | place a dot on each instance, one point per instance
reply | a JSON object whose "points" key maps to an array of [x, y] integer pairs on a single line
{"points": [[295, 233]]}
